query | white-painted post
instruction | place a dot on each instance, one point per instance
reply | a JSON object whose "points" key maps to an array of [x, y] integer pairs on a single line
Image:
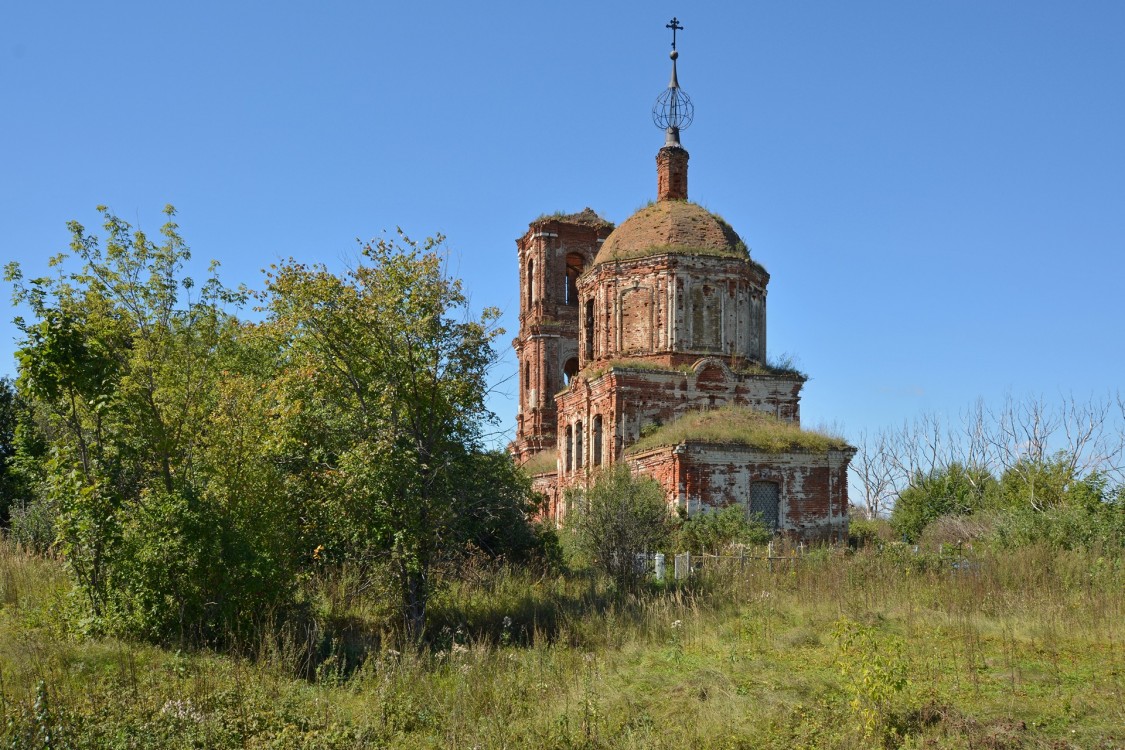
{"points": [[683, 565], [658, 565]]}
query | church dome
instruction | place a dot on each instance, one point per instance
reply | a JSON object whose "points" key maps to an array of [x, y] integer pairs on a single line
{"points": [[672, 226]]}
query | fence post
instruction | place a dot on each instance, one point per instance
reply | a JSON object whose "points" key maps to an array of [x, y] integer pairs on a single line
{"points": [[659, 566], [769, 555], [683, 565]]}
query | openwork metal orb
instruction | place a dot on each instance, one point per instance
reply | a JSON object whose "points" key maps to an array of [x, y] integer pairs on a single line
{"points": [[673, 109]]}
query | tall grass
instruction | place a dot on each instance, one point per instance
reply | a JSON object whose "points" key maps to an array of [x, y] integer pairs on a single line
{"points": [[1019, 650]]}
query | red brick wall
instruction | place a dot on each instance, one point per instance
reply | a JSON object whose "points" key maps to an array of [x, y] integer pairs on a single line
{"points": [[548, 335], [675, 308], [813, 487]]}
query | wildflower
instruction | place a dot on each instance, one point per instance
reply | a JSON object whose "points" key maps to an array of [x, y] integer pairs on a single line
{"points": [[507, 622], [677, 624], [181, 709]]}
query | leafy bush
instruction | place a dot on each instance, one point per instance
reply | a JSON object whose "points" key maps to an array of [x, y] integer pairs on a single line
{"points": [[33, 524], [715, 530], [619, 517], [1074, 527], [863, 532], [950, 490]]}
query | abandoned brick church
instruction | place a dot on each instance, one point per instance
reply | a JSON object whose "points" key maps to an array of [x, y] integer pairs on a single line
{"points": [[646, 344]]}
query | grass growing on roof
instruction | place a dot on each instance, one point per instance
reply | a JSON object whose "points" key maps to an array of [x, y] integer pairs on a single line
{"points": [[742, 426], [541, 462]]}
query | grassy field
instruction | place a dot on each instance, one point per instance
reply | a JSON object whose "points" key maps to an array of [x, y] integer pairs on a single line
{"points": [[849, 651]]}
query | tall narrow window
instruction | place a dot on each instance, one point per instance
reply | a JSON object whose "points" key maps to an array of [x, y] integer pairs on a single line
{"points": [[569, 455], [530, 284], [765, 500], [597, 447], [589, 333], [527, 383], [578, 445], [574, 265]]}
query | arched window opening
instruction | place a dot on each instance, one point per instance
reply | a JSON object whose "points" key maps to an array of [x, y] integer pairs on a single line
{"points": [[597, 452], [527, 383], [765, 501], [578, 445], [570, 369], [530, 284], [589, 333], [569, 455], [574, 265]]}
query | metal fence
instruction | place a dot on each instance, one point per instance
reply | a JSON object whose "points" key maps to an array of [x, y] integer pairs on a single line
{"points": [[777, 558]]}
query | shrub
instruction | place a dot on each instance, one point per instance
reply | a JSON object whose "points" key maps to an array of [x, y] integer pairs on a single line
{"points": [[619, 517], [863, 532], [950, 490], [33, 525], [714, 530]]}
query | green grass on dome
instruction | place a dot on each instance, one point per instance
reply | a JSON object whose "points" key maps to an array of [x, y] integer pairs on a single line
{"points": [[741, 426], [736, 251]]}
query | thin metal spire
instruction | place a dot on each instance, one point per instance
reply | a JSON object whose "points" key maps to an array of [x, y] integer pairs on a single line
{"points": [[673, 109]]}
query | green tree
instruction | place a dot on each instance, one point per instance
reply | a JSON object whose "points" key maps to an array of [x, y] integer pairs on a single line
{"points": [[1050, 502], [1052, 482], [618, 517], [383, 394], [164, 530], [949, 490], [12, 489]]}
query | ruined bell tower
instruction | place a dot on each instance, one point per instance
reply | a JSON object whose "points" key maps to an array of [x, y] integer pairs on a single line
{"points": [[553, 253]]}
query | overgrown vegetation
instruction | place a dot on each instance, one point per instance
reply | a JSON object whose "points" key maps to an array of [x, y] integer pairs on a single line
{"points": [[876, 649], [542, 462], [192, 469], [740, 426], [289, 534], [719, 530], [619, 517]]}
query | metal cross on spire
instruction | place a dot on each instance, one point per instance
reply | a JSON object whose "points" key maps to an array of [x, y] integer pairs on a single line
{"points": [[674, 25], [673, 110]]}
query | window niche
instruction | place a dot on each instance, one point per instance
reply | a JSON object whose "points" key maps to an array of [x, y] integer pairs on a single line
{"points": [[575, 264], [596, 458]]}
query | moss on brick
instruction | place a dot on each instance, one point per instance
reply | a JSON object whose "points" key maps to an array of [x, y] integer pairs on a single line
{"points": [[635, 364], [586, 217]]}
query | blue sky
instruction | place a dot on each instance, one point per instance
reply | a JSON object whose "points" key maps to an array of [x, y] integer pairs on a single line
{"points": [[938, 189]]}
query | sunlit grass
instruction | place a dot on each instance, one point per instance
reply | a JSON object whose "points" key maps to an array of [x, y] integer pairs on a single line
{"points": [[1022, 650], [739, 426]]}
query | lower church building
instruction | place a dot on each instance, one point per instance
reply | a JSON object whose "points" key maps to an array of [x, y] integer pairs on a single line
{"points": [[645, 343]]}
